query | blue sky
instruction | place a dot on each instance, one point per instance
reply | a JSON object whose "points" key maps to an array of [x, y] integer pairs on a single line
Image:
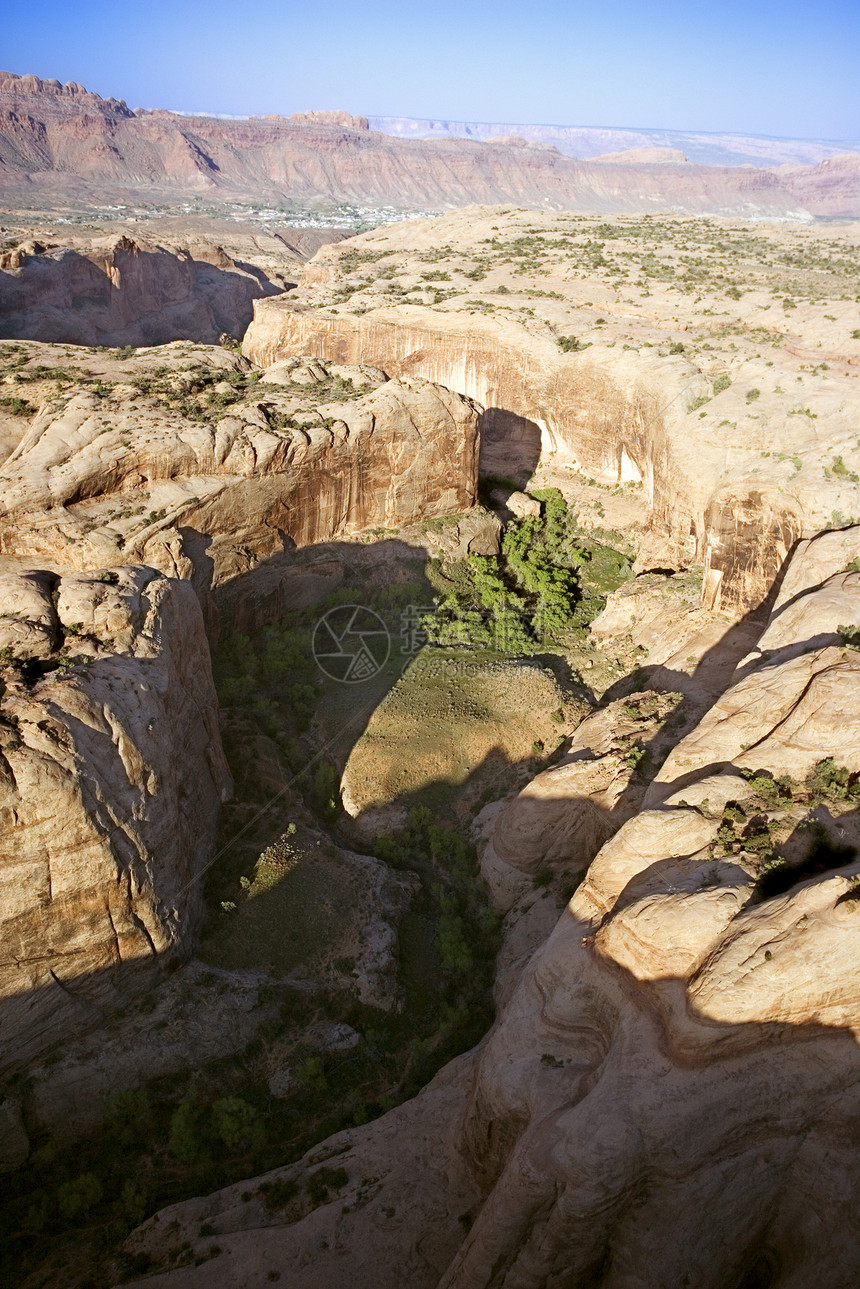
{"points": [[762, 67]]}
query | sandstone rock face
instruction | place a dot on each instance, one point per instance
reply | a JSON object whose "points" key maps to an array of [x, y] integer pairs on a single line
{"points": [[685, 1041], [668, 984], [614, 416], [60, 138], [117, 291], [95, 481], [562, 818], [731, 488], [111, 775]]}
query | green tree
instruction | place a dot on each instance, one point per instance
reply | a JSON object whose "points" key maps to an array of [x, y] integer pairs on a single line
{"points": [[237, 1124], [76, 1198], [184, 1136]]}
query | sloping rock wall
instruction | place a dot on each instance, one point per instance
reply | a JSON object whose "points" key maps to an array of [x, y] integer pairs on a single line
{"points": [[618, 417], [111, 775], [218, 499]]}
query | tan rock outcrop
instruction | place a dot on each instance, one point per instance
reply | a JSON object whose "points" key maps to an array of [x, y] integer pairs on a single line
{"points": [[120, 291], [95, 482], [111, 774], [560, 820]]}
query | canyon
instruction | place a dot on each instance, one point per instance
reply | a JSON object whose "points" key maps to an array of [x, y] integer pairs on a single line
{"points": [[623, 405], [663, 991], [481, 972]]}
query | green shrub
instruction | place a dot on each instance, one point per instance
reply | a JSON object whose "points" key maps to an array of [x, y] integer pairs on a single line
{"points": [[17, 406], [130, 1116], [850, 635], [237, 1124], [184, 1136], [277, 1194], [76, 1198], [570, 344], [134, 1200], [840, 469], [325, 1179], [311, 1074]]}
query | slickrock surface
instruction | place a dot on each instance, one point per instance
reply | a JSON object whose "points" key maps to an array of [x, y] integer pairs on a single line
{"points": [[111, 775], [709, 367], [59, 140], [120, 291], [205, 478], [669, 1094], [560, 820]]}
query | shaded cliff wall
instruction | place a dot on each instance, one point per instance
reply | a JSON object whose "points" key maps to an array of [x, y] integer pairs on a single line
{"points": [[111, 775], [617, 416], [224, 498], [120, 292]]}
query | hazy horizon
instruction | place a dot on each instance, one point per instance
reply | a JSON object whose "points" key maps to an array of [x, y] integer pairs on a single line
{"points": [[783, 71]]}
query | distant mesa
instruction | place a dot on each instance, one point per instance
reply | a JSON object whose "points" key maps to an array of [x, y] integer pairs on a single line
{"points": [[517, 141], [345, 120], [11, 83], [646, 157]]}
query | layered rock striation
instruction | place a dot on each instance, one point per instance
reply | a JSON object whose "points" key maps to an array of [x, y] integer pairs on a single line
{"points": [[126, 479], [731, 488], [62, 140]]}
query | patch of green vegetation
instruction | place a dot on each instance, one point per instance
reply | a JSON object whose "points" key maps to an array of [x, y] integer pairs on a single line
{"points": [[840, 470], [17, 406], [549, 580], [193, 1133], [571, 345]]}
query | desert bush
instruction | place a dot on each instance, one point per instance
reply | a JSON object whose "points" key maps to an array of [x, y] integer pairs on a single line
{"points": [[237, 1124], [77, 1197]]}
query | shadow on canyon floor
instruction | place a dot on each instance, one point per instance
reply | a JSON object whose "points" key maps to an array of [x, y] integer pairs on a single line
{"points": [[510, 445], [794, 1079]]}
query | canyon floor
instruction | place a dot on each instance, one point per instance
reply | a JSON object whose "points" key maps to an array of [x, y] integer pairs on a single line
{"points": [[480, 982]]}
